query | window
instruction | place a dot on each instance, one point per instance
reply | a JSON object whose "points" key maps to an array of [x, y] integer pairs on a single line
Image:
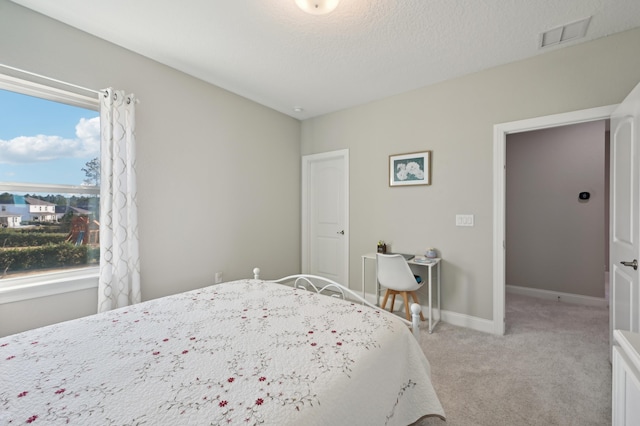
{"points": [[49, 184]]}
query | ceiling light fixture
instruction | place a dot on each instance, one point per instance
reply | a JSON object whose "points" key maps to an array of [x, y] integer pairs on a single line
{"points": [[317, 7]]}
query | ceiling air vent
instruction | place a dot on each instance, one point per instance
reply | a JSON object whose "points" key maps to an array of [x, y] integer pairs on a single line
{"points": [[568, 32]]}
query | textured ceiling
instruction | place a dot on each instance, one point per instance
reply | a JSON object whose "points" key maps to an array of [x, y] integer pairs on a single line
{"points": [[273, 53]]}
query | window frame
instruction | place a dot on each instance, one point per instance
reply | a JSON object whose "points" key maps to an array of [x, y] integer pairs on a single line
{"points": [[53, 282]]}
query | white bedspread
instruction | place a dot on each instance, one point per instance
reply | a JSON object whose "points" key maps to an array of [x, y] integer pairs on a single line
{"points": [[240, 353]]}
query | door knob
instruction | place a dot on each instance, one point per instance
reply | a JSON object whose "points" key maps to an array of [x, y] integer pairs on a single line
{"points": [[633, 264], [340, 232]]}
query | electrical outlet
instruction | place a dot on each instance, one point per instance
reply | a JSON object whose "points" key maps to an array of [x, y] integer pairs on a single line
{"points": [[464, 220], [218, 278]]}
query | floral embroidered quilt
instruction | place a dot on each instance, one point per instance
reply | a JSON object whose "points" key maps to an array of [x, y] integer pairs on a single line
{"points": [[246, 352]]}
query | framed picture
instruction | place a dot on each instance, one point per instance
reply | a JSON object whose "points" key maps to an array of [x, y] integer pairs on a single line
{"points": [[410, 169]]}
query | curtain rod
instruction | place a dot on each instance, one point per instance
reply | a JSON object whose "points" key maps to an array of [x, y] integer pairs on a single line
{"points": [[97, 92]]}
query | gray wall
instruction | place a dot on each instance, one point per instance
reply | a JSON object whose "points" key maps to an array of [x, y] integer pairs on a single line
{"points": [[455, 119], [554, 240], [198, 145]]}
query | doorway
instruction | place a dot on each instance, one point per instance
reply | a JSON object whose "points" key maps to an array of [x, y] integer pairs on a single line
{"points": [[499, 220], [556, 213]]}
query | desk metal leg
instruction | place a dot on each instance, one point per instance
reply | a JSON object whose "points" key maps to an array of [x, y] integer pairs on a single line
{"points": [[439, 308], [363, 279], [430, 299], [364, 261], [432, 325], [377, 284]]}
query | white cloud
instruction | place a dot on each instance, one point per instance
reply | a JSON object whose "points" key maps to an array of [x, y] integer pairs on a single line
{"points": [[89, 132], [32, 149]]}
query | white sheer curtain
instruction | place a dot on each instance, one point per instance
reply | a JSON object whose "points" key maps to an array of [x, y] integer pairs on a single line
{"points": [[119, 283]]}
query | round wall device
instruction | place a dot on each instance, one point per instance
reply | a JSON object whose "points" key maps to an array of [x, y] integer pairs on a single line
{"points": [[584, 196]]}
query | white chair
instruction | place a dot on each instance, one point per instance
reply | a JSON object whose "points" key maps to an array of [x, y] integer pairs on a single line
{"points": [[395, 275]]}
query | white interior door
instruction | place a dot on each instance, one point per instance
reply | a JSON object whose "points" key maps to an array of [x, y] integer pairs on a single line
{"points": [[624, 230], [325, 214]]}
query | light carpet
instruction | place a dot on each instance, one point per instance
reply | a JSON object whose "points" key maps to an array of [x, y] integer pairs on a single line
{"points": [[550, 368]]}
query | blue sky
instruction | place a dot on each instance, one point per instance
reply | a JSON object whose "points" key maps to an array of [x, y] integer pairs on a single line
{"points": [[45, 142]]}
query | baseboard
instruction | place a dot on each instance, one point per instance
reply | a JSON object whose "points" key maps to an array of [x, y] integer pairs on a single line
{"points": [[468, 321], [453, 318], [557, 295], [487, 326]]}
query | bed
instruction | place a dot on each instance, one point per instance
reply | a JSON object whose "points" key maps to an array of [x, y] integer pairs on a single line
{"points": [[245, 352]]}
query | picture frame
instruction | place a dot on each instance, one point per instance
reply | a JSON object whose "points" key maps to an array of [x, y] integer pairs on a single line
{"points": [[413, 168]]}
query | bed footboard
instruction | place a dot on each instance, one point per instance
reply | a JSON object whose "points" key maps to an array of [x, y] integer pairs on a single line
{"points": [[322, 285]]}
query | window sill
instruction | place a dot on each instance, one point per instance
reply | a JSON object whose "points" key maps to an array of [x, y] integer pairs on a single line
{"points": [[17, 289]]}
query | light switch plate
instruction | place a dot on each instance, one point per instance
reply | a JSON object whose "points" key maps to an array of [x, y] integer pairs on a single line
{"points": [[464, 220]]}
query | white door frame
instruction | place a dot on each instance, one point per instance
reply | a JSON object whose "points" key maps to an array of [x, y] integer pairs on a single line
{"points": [[500, 132], [306, 239]]}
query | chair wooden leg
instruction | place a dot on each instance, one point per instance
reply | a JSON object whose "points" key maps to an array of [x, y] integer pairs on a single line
{"points": [[393, 299], [415, 299], [405, 297], [384, 301]]}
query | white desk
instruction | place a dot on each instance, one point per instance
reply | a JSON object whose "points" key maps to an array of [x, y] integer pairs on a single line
{"points": [[434, 265]]}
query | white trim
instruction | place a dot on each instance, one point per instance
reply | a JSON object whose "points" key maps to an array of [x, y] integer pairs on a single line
{"points": [[500, 132], [453, 318], [49, 188], [468, 321], [499, 178], [31, 88], [41, 285], [306, 161], [557, 295]]}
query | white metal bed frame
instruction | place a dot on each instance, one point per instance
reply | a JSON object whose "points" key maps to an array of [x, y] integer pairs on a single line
{"points": [[339, 291]]}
